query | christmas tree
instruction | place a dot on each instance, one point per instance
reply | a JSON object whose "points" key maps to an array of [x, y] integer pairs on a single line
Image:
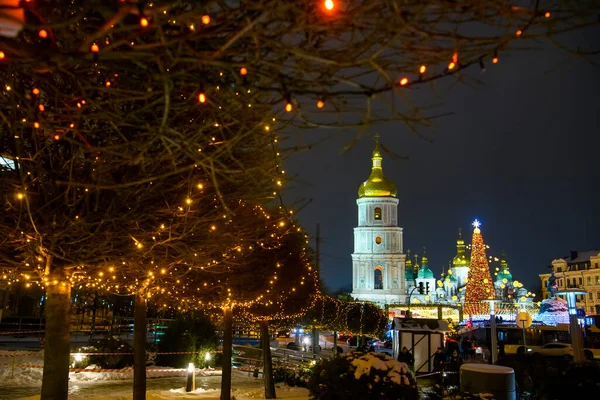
{"points": [[479, 283]]}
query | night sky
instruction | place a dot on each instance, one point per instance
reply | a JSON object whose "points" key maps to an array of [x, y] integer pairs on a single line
{"points": [[521, 152]]}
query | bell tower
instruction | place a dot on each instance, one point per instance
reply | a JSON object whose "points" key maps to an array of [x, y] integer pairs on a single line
{"points": [[378, 262]]}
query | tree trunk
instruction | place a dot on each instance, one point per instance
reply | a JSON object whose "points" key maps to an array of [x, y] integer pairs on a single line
{"points": [[94, 311], [139, 348], [315, 341], [335, 343], [267, 361], [57, 341], [227, 350]]}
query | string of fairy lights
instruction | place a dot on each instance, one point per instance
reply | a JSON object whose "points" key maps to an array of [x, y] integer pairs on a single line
{"points": [[59, 122], [150, 17]]}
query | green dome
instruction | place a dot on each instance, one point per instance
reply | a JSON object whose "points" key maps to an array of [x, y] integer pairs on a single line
{"points": [[410, 276], [450, 278], [377, 185], [504, 274], [425, 273]]}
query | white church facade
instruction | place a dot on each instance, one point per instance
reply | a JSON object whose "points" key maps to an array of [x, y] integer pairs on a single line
{"points": [[378, 261]]}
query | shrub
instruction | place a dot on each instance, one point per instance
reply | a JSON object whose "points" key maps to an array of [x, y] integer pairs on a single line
{"points": [[359, 376], [298, 376], [109, 344], [189, 334]]}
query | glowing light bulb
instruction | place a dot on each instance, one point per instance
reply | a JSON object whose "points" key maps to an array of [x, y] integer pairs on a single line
{"points": [[144, 22], [243, 71], [202, 98], [403, 81], [206, 19], [43, 33], [95, 48], [519, 33], [320, 104], [495, 60], [2, 55], [289, 107], [329, 4], [35, 91], [547, 15], [451, 65]]}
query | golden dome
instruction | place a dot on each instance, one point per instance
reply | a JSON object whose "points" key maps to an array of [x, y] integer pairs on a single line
{"points": [[377, 185]]}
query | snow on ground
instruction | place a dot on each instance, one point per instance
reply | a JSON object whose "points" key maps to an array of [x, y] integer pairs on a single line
{"points": [[24, 383], [240, 393]]}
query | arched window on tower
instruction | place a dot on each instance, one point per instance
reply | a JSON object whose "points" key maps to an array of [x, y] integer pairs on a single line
{"points": [[378, 278], [378, 213]]}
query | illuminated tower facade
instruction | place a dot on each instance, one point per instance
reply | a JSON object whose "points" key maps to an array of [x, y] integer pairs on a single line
{"points": [[378, 262]]}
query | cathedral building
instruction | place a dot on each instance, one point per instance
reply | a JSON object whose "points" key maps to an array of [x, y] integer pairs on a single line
{"points": [[383, 274]]}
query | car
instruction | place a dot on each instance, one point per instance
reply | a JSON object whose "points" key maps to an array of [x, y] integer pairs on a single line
{"points": [[554, 349], [292, 346]]}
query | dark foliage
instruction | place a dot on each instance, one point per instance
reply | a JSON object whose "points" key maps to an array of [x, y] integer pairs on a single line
{"points": [[189, 334]]}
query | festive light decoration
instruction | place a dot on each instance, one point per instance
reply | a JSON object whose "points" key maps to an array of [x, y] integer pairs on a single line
{"points": [[144, 22], [329, 4], [403, 81], [12, 17], [113, 190], [479, 283]]}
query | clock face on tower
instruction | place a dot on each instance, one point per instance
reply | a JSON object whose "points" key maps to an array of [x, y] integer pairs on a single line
{"points": [[378, 240]]}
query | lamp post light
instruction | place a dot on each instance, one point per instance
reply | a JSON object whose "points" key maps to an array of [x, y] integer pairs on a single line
{"points": [[409, 295], [494, 344], [191, 378], [575, 330]]}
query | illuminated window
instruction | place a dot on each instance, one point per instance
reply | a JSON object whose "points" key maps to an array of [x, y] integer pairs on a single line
{"points": [[378, 278], [378, 240], [377, 213]]}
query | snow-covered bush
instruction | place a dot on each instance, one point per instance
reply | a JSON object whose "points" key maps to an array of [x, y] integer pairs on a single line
{"points": [[298, 376], [360, 376]]}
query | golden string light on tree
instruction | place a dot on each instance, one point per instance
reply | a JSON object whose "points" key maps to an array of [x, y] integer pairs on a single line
{"points": [[479, 281]]}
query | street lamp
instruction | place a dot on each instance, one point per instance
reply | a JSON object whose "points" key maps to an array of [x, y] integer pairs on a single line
{"points": [[575, 330], [409, 295], [494, 349]]}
